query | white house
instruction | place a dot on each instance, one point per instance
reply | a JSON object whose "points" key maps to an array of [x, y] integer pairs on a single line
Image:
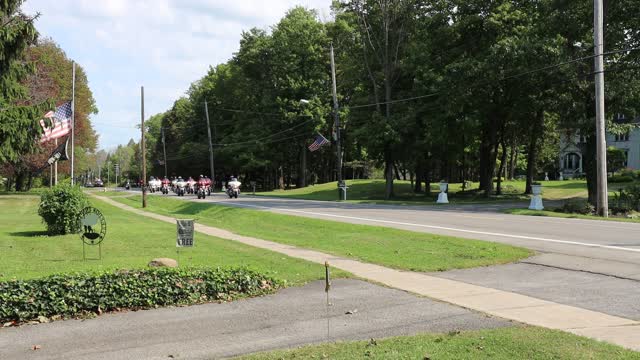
{"points": [[570, 161]]}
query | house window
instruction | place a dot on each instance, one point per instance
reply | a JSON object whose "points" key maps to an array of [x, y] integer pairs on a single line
{"points": [[571, 161], [622, 137]]}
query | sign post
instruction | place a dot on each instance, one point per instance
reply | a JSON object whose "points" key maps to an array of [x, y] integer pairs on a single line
{"points": [[184, 234]]}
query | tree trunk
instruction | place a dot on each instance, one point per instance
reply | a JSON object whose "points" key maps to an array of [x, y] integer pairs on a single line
{"points": [[533, 149], [281, 178], [513, 156], [417, 187], [488, 157], [503, 160], [427, 179], [396, 171], [388, 190], [589, 167], [302, 175]]}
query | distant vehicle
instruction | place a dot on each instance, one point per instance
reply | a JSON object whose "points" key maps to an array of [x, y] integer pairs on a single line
{"points": [[88, 184], [154, 184], [233, 188], [98, 183]]}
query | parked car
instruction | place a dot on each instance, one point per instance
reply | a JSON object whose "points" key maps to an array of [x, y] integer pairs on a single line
{"points": [[98, 183], [88, 184]]}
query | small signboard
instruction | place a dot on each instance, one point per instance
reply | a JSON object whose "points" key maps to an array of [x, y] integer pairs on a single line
{"points": [[185, 233]]}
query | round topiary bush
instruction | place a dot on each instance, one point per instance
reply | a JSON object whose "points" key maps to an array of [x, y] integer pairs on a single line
{"points": [[60, 208]]}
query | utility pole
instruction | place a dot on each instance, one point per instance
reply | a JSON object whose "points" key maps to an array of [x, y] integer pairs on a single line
{"points": [[336, 119], [144, 150], [206, 111], [164, 151], [601, 148]]}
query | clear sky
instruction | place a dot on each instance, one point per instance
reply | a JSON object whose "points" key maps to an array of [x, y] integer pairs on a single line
{"points": [[164, 45]]}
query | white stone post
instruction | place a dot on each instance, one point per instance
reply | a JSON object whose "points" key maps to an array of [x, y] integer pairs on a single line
{"points": [[546, 176], [536, 199], [442, 196]]}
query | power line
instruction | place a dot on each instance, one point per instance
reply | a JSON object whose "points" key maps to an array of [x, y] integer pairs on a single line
{"points": [[500, 79]]}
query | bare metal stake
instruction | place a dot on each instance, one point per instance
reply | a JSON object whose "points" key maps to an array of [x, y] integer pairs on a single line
{"points": [[327, 287]]}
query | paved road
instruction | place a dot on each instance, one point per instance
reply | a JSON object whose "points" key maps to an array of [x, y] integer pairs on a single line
{"points": [[584, 263], [292, 317], [611, 248]]}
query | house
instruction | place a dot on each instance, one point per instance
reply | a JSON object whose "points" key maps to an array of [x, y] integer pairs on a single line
{"points": [[570, 159]]}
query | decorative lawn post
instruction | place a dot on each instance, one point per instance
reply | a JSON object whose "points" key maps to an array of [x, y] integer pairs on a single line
{"points": [[442, 197], [546, 176], [536, 199], [561, 178]]}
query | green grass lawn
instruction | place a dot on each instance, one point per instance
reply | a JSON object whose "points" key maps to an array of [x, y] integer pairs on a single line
{"points": [[131, 242], [528, 343], [567, 216], [385, 246], [372, 191]]}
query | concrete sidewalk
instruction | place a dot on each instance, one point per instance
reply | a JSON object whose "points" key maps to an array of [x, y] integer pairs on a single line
{"points": [[508, 305]]}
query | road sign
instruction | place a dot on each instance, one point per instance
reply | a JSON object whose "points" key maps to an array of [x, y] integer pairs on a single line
{"points": [[185, 233]]}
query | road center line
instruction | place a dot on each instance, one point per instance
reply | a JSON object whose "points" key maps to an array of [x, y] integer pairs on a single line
{"points": [[512, 236]]}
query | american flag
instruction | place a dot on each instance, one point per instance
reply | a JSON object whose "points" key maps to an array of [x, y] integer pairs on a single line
{"points": [[318, 143], [61, 120]]}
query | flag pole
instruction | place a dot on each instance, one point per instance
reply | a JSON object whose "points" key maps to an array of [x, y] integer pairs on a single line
{"points": [[73, 116], [55, 168]]}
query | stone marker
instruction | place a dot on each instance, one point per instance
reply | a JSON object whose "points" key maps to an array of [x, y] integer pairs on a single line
{"points": [[163, 262]]}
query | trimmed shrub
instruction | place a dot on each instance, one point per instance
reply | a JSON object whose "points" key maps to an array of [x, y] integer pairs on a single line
{"points": [[79, 294], [621, 179], [577, 207], [627, 199], [60, 208]]}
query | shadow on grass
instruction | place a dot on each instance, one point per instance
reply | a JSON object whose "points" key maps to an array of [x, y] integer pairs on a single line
{"points": [[29, 233]]}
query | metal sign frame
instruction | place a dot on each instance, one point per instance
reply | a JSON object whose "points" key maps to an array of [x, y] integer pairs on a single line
{"points": [[89, 218]]}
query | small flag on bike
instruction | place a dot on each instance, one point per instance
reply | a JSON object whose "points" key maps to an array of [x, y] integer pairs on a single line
{"points": [[318, 143]]}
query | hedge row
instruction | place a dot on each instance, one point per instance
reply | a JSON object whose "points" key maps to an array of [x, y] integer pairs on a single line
{"points": [[71, 295]]}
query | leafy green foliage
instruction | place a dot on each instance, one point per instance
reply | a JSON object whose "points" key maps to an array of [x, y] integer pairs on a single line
{"points": [[60, 208], [18, 122], [627, 199], [576, 207], [77, 294]]}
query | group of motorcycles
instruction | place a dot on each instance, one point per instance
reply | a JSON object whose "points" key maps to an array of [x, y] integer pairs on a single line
{"points": [[202, 188]]}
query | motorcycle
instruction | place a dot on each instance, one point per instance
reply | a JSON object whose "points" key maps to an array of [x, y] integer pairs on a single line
{"points": [[154, 184], [233, 188], [202, 189], [181, 187], [164, 188], [191, 186]]}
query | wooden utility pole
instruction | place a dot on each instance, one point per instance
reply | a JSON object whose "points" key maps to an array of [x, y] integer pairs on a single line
{"points": [[144, 150], [213, 175], [601, 141], [336, 119], [164, 151]]}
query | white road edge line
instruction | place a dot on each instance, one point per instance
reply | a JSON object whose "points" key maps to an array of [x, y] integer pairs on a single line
{"points": [[441, 228]]}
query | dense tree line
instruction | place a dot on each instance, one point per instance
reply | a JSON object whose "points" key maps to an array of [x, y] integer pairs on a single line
{"points": [[429, 90], [35, 76]]}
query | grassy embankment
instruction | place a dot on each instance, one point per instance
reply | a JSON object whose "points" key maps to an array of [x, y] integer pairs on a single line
{"points": [[131, 242], [395, 248]]}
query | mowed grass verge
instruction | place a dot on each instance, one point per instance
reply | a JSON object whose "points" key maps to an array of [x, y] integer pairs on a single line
{"points": [[372, 191], [528, 343], [395, 248], [131, 242], [567, 216]]}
